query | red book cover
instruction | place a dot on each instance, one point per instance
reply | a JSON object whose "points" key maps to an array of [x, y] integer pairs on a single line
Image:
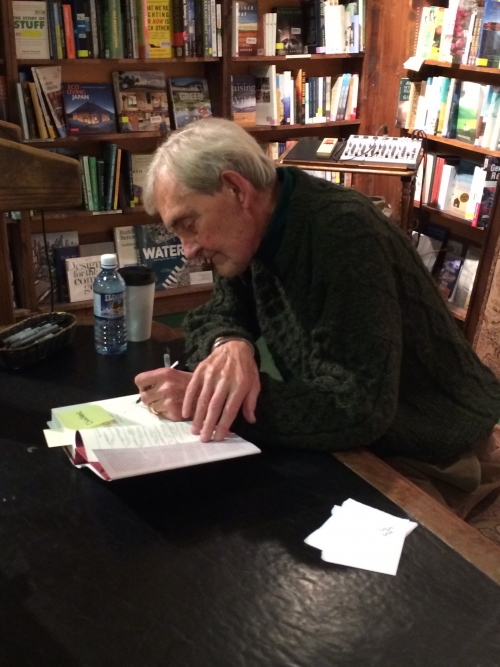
{"points": [[437, 180], [69, 32]]}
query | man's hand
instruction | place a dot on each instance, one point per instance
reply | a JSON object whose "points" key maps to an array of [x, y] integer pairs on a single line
{"points": [[223, 383], [163, 391]]}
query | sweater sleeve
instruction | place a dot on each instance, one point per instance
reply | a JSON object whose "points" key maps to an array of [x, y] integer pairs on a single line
{"points": [[345, 395], [230, 312]]}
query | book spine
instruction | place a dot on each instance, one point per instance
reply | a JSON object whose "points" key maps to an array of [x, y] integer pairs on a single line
{"points": [[110, 166], [51, 8], [101, 184], [22, 112], [128, 176], [42, 127], [117, 178], [84, 183], [95, 29], [68, 32], [94, 183], [88, 183], [30, 111], [134, 28], [127, 30]]}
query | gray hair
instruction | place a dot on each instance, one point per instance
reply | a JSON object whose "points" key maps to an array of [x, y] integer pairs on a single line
{"points": [[196, 155]]}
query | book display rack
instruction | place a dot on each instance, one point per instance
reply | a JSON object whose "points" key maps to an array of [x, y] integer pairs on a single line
{"points": [[214, 61]]}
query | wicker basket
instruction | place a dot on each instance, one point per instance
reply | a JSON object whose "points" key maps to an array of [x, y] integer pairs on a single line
{"points": [[38, 350]]}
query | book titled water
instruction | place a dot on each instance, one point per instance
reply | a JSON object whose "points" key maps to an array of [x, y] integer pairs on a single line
{"points": [[190, 99], [89, 108], [162, 252]]}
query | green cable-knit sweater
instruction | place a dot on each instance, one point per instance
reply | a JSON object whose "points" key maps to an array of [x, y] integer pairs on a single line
{"points": [[367, 350]]}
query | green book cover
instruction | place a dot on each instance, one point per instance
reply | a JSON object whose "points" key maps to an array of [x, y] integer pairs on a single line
{"points": [[469, 107]]}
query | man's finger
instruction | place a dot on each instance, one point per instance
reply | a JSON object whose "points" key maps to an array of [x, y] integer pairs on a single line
{"points": [[212, 406], [227, 417], [250, 403], [191, 396]]}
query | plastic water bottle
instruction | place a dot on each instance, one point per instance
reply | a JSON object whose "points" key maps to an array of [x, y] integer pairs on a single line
{"points": [[110, 331]]}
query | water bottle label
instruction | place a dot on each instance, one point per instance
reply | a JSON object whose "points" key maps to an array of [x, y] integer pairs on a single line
{"points": [[109, 306]]}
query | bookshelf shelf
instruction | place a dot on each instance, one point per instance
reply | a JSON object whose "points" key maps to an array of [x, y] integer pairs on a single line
{"points": [[175, 300], [85, 62], [85, 223], [462, 68], [74, 140], [298, 56], [462, 145], [292, 131], [456, 225], [458, 313]]}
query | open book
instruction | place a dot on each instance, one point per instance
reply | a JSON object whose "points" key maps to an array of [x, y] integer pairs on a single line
{"points": [[119, 438]]}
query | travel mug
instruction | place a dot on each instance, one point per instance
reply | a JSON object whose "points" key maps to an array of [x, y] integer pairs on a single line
{"points": [[139, 300]]}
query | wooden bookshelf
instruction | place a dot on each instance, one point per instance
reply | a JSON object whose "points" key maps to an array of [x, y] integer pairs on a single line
{"points": [[462, 68], [299, 56], [462, 146], [457, 226]]}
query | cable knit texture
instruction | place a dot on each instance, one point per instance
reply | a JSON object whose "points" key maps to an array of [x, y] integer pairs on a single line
{"points": [[367, 350]]}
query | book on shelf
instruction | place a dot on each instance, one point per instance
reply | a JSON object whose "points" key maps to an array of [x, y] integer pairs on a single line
{"points": [[466, 278], [44, 269], [118, 438], [452, 264], [126, 245], [266, 102], [476, 35], [140, 163], [462, 188], [489, 42], [403, 108], [31, 29], [471, 99], [289, 30], [428, 247], [247, 18], [89, 108], [161, 251], [159, 19], [243, 101], [81, 273], [141, 101], [60, 255], [491, 168], [49, 79], [189, 99]]}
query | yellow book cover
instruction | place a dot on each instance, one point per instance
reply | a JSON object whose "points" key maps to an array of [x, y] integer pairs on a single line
{"points": [[160, 28]]}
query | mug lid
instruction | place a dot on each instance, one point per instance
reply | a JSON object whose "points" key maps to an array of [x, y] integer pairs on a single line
{"points": [[135, 276]]}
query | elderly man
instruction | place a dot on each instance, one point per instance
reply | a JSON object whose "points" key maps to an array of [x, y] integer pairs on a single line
{"points": [[368, 353]]}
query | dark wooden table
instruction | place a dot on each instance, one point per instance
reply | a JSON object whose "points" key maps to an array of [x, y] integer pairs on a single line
{"points": [[206, 566]]}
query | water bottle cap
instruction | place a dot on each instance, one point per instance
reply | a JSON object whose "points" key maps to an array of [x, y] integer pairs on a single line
{"points": [[108, 261]]}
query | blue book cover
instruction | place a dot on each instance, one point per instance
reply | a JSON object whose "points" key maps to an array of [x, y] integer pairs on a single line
{"points": [[89, 108], [489, 42], [162, 252]]}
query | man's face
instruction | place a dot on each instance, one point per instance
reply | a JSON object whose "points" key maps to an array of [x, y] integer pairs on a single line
{"points": [[217, 227]]}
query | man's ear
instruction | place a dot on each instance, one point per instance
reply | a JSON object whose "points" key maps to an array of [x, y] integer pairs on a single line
{"points": [[238, 185]]}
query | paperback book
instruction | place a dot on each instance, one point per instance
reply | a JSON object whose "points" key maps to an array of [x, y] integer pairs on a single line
{"points": [[141, 101], [161, 251], [44, 268], [289, 30], [248, 15], [31, 29], [140, 166], [89, 108], [189, 99], [81, 273], [159, 21], [243, 99], [489, 43], [126, 246], [49, 79]]}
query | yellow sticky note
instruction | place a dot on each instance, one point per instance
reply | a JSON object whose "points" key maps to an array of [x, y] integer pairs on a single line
{"points": [[88, 416]]}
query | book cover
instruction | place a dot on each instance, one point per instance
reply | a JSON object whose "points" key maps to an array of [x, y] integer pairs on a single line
{"points": [[449, 273], [243, 103], [465, 282], [492, 169], [266, 105], [61, 254], [81, 273], [465, 10], [49, 79], [289, 30], [403, 109], [200, 271], [248, 16], [43, 261], [462, 188], [141, 101], [189, 99], [489, 42], [160, 28], [31, 30], [140, 166], [89, 108], [468, 110], [125, 245], [161, 251]]}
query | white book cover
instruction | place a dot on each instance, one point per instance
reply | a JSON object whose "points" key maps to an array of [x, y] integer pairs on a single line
{"points": [[449, 99], [266, 103], [421, 115], [420, 51], [50, 82], [126, 246], [119, 437], [491, 116], [81, 273], [450, 14], [476, 193], [465, 282], [334, 28], [446, 187], [335, 97], [31, 30]]}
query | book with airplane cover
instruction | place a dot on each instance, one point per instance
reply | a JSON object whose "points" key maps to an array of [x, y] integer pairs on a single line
{"points": [[189, 99], [160, 250], [89, 108], [119, 437], [141, 101]]}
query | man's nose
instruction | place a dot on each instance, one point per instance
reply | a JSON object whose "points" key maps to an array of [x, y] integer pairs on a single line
{"points": [[191, 248]]}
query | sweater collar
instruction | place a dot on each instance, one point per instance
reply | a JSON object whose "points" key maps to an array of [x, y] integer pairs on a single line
{"points": [[276, 228]]}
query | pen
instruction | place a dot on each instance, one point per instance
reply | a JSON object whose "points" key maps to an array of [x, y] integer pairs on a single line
{"points": [[176, 363]]}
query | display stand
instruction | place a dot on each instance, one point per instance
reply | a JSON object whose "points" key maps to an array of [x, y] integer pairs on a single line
{"points": [[303, 155]]}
